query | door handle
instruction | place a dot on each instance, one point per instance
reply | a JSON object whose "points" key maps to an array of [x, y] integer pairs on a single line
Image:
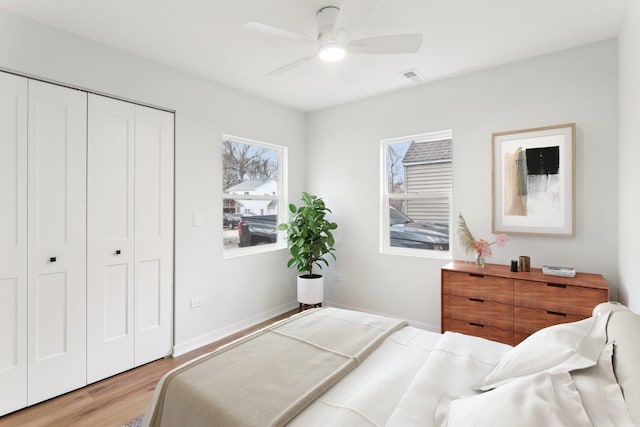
{"points": [[52, 259], [118, 252]]}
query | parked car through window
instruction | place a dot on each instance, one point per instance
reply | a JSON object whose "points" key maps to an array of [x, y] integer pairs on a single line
{"points": [[416, 194]]}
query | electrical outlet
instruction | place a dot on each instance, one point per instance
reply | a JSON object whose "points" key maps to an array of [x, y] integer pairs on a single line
{"points": [[197, 302]]}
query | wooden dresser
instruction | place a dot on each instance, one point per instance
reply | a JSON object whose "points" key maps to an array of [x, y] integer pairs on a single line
{"points": [[505, 306]]}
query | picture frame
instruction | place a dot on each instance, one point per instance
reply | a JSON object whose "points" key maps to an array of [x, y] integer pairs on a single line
{"points": [[533, 181]]}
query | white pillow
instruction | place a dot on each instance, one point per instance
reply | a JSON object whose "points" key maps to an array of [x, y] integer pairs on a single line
{"points": [[559, 348], [601, 394], [537, 400]]}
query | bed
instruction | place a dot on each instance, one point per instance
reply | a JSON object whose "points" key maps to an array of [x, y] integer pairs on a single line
{"points": [[333, 367]]}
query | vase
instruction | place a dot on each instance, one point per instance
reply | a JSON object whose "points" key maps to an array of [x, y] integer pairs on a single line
{"points": [[310, 289], [480, 261]]}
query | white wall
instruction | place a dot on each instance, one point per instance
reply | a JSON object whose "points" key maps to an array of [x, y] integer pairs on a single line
{"points": [[237, 292], [577, 85], [342, 159], [629, 211]]}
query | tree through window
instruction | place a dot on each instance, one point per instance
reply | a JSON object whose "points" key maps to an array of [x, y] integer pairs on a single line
{"points": [[253, 194]]}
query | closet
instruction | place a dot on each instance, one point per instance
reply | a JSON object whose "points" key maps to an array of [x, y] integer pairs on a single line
{"points": [[130, 236], [86, 238]]}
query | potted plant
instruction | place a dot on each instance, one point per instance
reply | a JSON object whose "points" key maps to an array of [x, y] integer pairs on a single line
{"points": [[310, 238]]}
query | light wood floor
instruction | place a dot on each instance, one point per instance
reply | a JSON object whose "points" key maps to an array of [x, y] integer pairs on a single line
{"points": [[114, 401]]}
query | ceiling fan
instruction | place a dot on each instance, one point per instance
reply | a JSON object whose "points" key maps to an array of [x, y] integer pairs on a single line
{"points": [[333, 43]]}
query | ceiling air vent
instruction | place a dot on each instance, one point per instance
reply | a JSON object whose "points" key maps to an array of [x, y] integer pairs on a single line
{"points": [[413, 75]]}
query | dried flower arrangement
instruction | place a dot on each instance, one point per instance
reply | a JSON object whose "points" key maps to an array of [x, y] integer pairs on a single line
{"points": [[481, 247]]}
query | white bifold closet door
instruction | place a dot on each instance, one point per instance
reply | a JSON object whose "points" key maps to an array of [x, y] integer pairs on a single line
{"points": [[153, 234], [110, 255], [57, 124], [13, 242], [130, 236]]}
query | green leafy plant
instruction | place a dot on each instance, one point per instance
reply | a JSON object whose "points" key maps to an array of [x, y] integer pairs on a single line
{"points": [[309, 234]]}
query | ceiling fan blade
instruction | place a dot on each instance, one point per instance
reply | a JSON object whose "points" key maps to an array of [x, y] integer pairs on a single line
{"points": [[353, 13], [291, 65], [275, 31], [399, 43]]}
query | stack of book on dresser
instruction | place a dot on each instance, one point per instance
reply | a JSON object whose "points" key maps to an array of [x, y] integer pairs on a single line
{"points": [[559, 271]]}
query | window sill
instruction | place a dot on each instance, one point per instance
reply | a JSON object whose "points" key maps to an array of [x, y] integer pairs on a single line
{"points": [[251, 250], [418, 253]]}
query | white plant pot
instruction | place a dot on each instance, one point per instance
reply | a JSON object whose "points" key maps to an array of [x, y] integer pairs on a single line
{"points": [[310, 289]]}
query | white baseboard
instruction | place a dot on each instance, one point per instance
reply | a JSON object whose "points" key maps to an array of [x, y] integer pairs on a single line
{"points": [[414, 323], [218, 334]]}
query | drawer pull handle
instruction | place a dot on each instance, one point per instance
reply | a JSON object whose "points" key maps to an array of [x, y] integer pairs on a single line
{"points": [[476, 300], [555, 313], [476, 275], [556, 285], [476, 324]]}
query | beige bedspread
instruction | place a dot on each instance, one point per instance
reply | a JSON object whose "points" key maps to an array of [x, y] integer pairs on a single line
{"points": [[266, 378]]}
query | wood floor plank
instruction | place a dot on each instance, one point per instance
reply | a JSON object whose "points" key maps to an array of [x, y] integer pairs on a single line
{"points": [[114, 401]]}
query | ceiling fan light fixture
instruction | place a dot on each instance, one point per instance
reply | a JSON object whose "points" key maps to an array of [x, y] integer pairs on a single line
{"points": [[332, 52]]}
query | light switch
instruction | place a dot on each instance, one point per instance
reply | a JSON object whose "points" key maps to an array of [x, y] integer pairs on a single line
{"points": [[197, 219]]}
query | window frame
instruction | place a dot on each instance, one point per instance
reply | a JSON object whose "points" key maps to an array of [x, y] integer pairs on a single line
{"points": [[385, 197], [281, 198]]}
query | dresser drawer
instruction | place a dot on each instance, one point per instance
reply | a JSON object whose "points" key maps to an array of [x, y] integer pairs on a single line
{"points": [[487, 313], [559, 298], [478, 330], [528, 320], [472, 285]]}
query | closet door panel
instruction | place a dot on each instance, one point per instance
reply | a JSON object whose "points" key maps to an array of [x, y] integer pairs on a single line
{"points": [[110, 205], [154, 234], [56, 240], [13, 242]]}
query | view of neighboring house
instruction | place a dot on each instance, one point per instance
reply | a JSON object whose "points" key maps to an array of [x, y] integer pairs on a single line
{"points": [[253, 188], [428, 169]]}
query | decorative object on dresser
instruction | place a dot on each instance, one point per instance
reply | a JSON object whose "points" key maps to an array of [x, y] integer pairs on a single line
{"points": [[524, 263], [481, 247], [559, 271], [505, 306]]}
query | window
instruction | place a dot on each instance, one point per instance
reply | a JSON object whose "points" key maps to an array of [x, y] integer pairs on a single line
{"points": [[253, 195], [416, 186]]}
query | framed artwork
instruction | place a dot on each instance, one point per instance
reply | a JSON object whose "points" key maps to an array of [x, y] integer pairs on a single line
{"points": [[533, 179]]}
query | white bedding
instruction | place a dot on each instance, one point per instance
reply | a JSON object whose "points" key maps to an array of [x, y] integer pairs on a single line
{"points": [[401, 383], [369, 394], [457, 364], [420, 378], [573, 374]]}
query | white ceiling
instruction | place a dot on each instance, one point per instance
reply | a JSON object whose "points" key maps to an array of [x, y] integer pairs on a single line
{"points": [[207, 38]]}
